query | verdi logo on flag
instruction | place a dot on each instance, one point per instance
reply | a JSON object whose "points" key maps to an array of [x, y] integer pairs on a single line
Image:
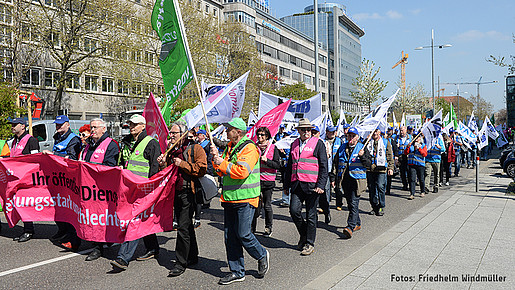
{"points": [[173, 59]]}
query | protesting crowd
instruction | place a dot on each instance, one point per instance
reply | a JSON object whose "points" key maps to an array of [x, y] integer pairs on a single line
{"points": [[342, 164]]}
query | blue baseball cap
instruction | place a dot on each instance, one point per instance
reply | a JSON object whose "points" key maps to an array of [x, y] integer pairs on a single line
{"points": [[201, 132], [410, 128], [18, 121], [61, 119], [330, 128], [315, 129], [345, 126], [282, 126], [451, 130], [353, 130]]}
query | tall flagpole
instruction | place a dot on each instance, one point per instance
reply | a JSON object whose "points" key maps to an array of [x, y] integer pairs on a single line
{"points": [[185, 38]]}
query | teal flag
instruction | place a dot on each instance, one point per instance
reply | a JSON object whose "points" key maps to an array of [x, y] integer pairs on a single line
{"points": [[173, 59]]}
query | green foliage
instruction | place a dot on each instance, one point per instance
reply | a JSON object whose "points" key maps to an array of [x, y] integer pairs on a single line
{"points": [[296, 91], [367, 85], [335, 115], [8, 109]]}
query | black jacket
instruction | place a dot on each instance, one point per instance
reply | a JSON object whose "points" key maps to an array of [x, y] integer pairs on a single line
{"points": [[321, 154], [73, 148], [112, 152], [151, 152]]}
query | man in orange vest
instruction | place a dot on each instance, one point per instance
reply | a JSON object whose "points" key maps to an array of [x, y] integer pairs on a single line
{"points": [[307, 166]]}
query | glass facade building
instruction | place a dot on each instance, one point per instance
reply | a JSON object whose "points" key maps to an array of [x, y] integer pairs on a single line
{"points": [[340, 36]]}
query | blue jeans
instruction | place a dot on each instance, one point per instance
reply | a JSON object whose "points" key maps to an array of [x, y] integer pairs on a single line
{"points": [[457, 164], [471, 157], [350, 192], [376, 189], [127, 249], [237, 234]]}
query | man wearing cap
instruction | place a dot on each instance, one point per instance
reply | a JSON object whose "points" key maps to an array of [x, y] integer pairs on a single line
{"points": [[67, 145], [403, 139], [395, 149], [281, 134], [23, 144], [139, 155], [307, 166], [333, 143], [382, 165], [239, 167], [351, 164], [337, 190], [99, 149]]}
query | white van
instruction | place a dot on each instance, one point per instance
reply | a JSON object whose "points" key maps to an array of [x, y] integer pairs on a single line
{"points": [[44, 131]]}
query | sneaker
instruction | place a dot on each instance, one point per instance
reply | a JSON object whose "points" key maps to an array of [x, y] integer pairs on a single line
{"points": [[230, 278], [339, 208], [411, 197], [175, 225], [196, 224], [268, 232], [380, 212], [148, 255], [356, 228], [347, 233], [435, 190], [447, 183], [264, 265], [119, 264], [422, 194], [308, 250]]}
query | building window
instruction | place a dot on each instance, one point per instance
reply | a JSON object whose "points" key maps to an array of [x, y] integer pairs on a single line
{"points": [[284, 72], [322, 83], [90, 45], [5, 35], [323, 97], [107, 85], [137, 89], [207, 8], [51, 79], [215, 12], [5, 14], [123, 87], [323, 71], [73, 81], [90, 83], [307, 79], [31, 77], [296, 75], [149, 57]]}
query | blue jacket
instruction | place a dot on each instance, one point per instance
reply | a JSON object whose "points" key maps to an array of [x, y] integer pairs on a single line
{"points": [[434, 155], [356, 168], [68, 144]]}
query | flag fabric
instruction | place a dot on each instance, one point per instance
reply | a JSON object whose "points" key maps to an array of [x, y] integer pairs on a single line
{"points": [[341, 121], [228, 108], [218, 131], [310, 108], [354, 121], [395, 125], [432, 130], [272, 120], [176, 69], [447, 128], [483, 136], [492, 133], [466, 132], [403, 120], [501, 140], [252, 119], [383, 124], [196, 115], [372, 120], [156, 126], [285, 143], [472, 123], [446, 119], [453, 118]]}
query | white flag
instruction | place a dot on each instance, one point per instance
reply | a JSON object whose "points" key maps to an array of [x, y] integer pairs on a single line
{"points": [[354, 121], [370, 123], [383, 124], [395, 125], [472, 122], [483, 136], [285, 143], [220, 106], [466, 133], [310, 108], [492, 133], [341, 122], [403, 120], [432, 130], [252, 119]]}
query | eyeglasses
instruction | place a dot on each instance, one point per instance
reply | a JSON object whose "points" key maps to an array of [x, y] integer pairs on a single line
{"points": [[173, 133], [96, 127], [304, 129], [83, 135], [261, 134]]}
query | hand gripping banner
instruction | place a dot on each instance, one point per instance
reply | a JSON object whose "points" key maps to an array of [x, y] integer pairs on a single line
{"points": [[104, 204]]}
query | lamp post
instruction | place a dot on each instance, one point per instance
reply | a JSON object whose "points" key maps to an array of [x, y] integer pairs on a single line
{"points": [[432, 46]]}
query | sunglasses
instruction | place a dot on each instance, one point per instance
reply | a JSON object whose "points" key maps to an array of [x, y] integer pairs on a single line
{"points": [[304, 129], [261, 134], [83, 135]]}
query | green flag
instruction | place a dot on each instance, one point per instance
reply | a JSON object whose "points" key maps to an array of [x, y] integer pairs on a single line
{"points": [[492, 120], [453, 118], [173, 59]]}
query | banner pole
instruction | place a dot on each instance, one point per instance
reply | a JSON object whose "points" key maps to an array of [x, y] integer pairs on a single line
{"points": [[199, 91]]}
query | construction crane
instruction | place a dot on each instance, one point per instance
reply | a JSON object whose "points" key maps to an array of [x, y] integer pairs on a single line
{"points": [[478, 83], [403, 61]]}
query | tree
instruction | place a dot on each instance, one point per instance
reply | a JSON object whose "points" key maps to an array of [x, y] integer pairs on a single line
{"points": [[501, 117], [482, 108], [501, 61], [297, 91], [414, 101], [367, 85], [8, 108]]}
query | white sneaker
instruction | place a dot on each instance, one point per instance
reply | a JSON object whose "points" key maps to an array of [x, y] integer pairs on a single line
{"points": [[447, 183]]}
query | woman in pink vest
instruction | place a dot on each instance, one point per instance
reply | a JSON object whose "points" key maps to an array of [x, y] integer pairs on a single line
{"points": [[270, 163]]}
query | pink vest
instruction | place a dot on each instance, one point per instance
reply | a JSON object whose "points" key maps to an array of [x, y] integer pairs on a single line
{"points": [[18, 148], [98, 154], [304, 165], [267, 173]]}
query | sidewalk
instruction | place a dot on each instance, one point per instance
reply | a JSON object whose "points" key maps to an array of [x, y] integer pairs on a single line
{"points": [[445, 245]]}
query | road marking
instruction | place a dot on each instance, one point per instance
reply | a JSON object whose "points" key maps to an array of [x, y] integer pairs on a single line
{"points": [[42, 263]]}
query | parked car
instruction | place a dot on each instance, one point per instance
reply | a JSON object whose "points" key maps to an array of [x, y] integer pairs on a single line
{"points": [[44, 131], [504, 154], [509, 165]]}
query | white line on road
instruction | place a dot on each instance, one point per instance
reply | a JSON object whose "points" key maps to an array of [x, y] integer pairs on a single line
{"points": [[12, 271]]}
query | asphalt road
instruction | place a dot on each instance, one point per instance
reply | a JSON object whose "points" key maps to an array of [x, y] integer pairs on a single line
{"points": [[48, 266]]}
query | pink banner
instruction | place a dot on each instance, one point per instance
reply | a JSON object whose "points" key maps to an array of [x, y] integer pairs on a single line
{"points": [[104, 204], [272, 120], [156, 126]]}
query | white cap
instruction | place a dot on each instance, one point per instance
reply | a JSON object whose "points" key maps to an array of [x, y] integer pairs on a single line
{"points": [[137, 119]]}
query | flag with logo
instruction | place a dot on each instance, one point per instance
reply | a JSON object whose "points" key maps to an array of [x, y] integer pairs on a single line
{"points": [[272, 120], [252, 119], [176, 69], [432, 130], [341, 121], [492, 133], [372, 120], [483, 136], [472, 122], [196, 115], [403, 120], [466, 133], [310, 108], [156, 126]]}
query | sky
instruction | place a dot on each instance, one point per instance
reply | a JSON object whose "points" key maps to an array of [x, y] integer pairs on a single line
{"points": [[475, 29]]}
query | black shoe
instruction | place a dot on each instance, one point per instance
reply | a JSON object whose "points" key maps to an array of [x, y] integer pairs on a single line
{"points": [[193, 262], [373, 212], [435, 190], [97, 253], [58, 237], [380, 212], [177, 270], [264, 265], [405, 188], [301, 244], [119, 264], [23, 238], [327, 218], [148, 255], [230, 278]]}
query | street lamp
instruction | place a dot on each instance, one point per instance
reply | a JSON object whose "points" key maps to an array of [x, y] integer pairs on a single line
{"points": [[432, 46]]}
